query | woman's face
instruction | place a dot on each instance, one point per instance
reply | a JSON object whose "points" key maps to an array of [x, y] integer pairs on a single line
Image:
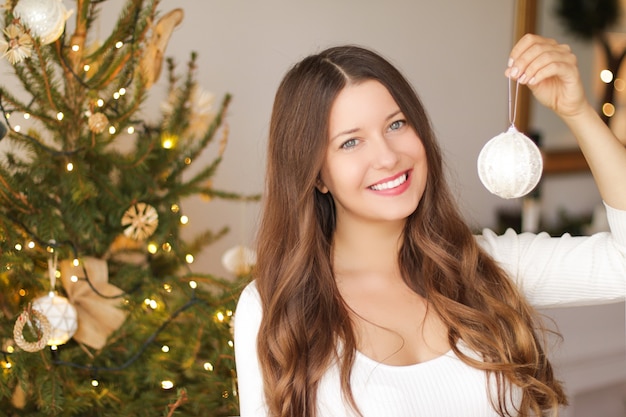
{"points": [[375, 166]]}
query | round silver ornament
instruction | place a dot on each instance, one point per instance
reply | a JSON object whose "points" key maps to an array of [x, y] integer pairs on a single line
{"points": [[510, 164], [61, 315], [45, 18]]}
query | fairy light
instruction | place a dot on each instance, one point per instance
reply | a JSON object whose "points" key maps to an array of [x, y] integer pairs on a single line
{"points": [[60, 116], [74, 278], [153, 248], [167, 288], [17, 128], [86, 67], [193, 284], [26, 116], [122, 91], [131, 130], [31, 245], [10, 349], [119, 44], [75, 48], [94, 383], [112, 130], [187, 161], [75, 262], [6, 364], [220, 316], [22, 292], [229, 313], [189, 258], [168, 141], [116, 95], [165, 348], [69, 167], [184, 219], [608, 109], [167, 247], [7, 115], [167, 384], [54, 347], [18, 246], [100, 102], [208, 366], [153, 304], [175, 208], [606, 76], [230, 343]]}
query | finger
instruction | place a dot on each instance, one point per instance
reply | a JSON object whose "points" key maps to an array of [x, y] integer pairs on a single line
{"points": [[525, 66], [550, 65]]}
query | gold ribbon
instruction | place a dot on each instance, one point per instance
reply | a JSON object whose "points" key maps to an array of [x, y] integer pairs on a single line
{"points": [[98, 316]]}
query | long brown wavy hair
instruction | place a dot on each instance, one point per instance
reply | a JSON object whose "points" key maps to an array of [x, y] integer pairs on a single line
{"points": [[304, 316]]}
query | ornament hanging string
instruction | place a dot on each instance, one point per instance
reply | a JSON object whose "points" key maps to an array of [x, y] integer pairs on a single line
{"points": [[52, 265], [513, 103]]}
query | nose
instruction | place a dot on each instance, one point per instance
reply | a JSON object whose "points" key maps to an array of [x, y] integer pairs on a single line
{"points": [[384, 154]]}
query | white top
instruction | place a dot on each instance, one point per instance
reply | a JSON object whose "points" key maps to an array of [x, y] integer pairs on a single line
{"points": [[563, 271]]}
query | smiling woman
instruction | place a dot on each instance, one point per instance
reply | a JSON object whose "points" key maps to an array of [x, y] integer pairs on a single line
{"points": [[372, 297]]}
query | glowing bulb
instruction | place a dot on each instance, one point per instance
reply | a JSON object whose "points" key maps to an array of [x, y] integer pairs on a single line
{"points": [[153, 248], [175, 208], [153, 304], [510, 164], [193, 284], [184, 219], [229, 313], [230, 343], [69, 167], [116, 95], [606, 76], [31, 244], [75, 262], [60, 116], [166, 247], [208, 366], [10, 349], [122, 91], [119, 44], [17, 128], [167, 287], [165, 348], [54, 347], [86, 67], [131, 130], [189, 258], [220, 316], [187, 161], [75, 48], [18, 246], [26, 116], [167, 384], [608, 109], [74, 278], [6, 365], [94, 383], [100, 102], [22, 292], [112, 130]]}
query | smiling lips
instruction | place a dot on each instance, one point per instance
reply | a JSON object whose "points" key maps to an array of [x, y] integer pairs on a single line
{"points": [[391, 184]]}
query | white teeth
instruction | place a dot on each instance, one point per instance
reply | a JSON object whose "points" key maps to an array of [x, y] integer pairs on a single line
{"points": [[391, 184]]}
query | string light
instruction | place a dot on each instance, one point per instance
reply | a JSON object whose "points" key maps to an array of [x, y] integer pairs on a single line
{"points": [[74, 278], [26, 116], [122, 91], [167, 384], [208, 366], [166, 247], [69, 167], [175, 208], [230, 343], [75, 262], [10, 349], [116, 95], [187, 161], [112, 130], [54, 347], [119, 44], [165, 348], [94, 383], [167, 288], [153, 248], [60, 116], [131, 130], [608, 109], [18, 246], [606, 76], [22, 292], [189, 258], [184, 219], [86, 67], [100, 102], [193, 284], [17, 128], [75, 48], [31, 244], [220, 316]]}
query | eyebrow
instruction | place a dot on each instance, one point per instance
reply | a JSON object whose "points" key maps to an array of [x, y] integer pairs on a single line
{"points": [[356, 129]]}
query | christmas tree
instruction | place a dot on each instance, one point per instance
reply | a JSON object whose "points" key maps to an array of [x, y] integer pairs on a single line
{"points": [[100, 312]]}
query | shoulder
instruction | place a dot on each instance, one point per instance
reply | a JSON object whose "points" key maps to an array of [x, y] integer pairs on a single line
{"points": [[249, 303]]}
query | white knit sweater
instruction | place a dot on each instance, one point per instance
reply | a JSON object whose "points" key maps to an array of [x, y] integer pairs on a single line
{"points": [[550, 272]]}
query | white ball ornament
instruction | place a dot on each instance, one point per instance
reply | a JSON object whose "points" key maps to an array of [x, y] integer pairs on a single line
{"points": [[61, 315], [45, 18], [239, 260], [510, 164]]}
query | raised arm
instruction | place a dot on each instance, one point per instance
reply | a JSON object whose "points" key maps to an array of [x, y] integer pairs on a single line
{"points": [[550, 71]]}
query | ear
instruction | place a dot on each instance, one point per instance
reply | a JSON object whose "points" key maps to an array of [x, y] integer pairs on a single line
{"points": [[321, 187]]}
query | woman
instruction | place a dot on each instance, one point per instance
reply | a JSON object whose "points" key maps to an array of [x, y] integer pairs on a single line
{"points": [[372, 297]]}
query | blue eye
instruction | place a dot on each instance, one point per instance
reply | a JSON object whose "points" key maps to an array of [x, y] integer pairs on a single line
{"points": [[350, 143], [397, 124]]}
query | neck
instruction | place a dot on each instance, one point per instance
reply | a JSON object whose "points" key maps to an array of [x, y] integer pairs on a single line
{"points": [[369, 247]]}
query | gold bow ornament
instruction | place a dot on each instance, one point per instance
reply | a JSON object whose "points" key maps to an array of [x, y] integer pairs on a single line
{"points": [[99, 311]]}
